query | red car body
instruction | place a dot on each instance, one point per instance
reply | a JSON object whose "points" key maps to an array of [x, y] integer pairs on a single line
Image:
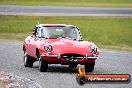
{"points": [[59, 50]]}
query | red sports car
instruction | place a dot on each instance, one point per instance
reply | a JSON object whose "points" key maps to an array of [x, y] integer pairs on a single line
{"points": [[59, 44]]}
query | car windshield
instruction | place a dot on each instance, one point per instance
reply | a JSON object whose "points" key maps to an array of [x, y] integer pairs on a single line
{"points": [[59, 32]]}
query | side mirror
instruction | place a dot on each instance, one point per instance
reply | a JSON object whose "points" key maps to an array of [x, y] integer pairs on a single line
{"points": [[33, 33], [35, 38]]}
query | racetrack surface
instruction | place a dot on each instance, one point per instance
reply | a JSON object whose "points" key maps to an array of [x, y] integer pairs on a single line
{"points": [[63, 11], [110, 62]]}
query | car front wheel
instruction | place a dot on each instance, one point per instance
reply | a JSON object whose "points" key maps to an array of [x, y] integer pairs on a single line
{"points": [[89, 67], [43, 65], [28, 62]]}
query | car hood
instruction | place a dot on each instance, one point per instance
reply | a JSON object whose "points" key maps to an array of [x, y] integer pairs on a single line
{"points": [[63, 45]]}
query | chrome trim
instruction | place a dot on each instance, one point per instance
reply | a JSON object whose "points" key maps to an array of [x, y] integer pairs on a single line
{"points": [[59, 56], [86, 56], [48, 55], [75, 57], [91, 57]]}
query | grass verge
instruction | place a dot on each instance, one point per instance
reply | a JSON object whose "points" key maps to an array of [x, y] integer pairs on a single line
{"points": [[105, 32], [82, 3]]}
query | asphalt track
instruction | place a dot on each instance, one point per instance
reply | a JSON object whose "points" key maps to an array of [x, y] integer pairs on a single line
{"points": [[63, 11], [110, 62]]}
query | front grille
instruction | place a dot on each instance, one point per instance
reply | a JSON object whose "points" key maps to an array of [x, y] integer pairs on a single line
{"points": [[72, 57]]}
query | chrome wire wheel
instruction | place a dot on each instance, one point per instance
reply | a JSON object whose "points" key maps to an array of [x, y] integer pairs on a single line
{"points": [[43, 65], [25, 58], [28, 62]]}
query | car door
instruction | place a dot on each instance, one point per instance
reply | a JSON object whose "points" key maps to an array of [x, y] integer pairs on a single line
{"points": [[34, 41]]}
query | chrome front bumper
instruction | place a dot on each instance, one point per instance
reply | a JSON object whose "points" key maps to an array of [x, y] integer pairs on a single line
{"points": [[59, 56], [48, 55]]}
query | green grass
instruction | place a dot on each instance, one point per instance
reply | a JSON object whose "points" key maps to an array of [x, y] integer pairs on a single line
{"points": [[106, 32], [86, 3]]}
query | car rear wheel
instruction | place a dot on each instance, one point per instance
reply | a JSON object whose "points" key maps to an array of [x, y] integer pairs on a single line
{"points": [[89, 67], [43, 65], [28, 62]]}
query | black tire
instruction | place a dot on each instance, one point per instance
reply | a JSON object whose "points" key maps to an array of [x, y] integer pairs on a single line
{"points": [[89, 67], [72, 65], [28, 61], [43, 65]]}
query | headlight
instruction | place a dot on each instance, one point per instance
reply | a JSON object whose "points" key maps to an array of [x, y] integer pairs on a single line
{"points": [[93, 49], [48, 48]]}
